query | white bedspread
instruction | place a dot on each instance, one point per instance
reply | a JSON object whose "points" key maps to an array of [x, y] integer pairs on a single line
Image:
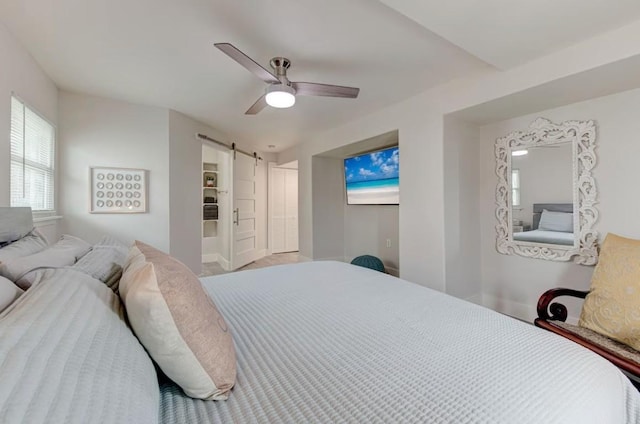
{"points": [[329, 342], [548, 237]]}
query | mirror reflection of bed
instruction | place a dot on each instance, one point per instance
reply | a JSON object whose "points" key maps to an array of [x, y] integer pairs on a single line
{"points": [[552, 223]]}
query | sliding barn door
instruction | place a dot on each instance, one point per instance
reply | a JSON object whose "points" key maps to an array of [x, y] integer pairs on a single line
{"points": [[244, 247]]}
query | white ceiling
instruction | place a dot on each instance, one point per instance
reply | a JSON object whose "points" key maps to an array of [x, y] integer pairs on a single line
{"points": [[507, 33], [160, 52]]}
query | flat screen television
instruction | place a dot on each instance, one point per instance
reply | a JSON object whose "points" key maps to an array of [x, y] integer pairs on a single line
{"points": [[372, 178]]}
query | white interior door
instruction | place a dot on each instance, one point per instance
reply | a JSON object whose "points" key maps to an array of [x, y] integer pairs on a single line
{"points": [[291, 205], [244, 244], [278, 215], [284, 210]]}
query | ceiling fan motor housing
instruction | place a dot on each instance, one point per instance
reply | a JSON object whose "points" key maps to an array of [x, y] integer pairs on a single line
{"points": [[280, 66]]}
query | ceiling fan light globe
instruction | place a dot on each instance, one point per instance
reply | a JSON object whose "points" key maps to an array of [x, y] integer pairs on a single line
{"points": [[280, 96]]}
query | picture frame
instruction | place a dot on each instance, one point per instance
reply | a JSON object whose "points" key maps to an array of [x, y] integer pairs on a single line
{"points": [[118, 190]]}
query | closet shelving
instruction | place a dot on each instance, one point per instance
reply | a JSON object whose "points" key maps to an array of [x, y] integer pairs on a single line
{"points": [[209, 199]]}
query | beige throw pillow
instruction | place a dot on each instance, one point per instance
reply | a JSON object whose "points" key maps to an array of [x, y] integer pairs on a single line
{"points": [[612, 307], [178, 323]]}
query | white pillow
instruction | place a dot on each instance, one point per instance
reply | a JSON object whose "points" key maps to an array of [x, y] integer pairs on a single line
{"points": [[9, 292], [556, 221], [33, 242], [65, 252], [15, 223]]}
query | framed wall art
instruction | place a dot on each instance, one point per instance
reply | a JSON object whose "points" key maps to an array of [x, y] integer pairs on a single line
{"points": [[118, 190]]}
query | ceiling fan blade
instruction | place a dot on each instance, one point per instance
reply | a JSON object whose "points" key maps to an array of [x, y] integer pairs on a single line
{"points": [[315, 89], [260, 104], [250, 64]]}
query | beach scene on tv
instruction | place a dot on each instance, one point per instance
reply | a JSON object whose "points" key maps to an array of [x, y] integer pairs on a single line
{"points": [[372, 178]]}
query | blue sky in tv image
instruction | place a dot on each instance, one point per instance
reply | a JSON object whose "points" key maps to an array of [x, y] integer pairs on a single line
{"points": [[380, 165]]}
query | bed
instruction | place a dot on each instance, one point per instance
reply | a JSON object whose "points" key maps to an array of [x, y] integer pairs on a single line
{"points": [[548, 237], [559, 225], [331, 342], [316, 342]]}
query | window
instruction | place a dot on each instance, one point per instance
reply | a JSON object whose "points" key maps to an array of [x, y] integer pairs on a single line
{"points": [[32, 158], [515, 187]]}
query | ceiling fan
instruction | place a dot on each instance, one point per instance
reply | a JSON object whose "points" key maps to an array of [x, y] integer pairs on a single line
{"points": [[281, 93]]}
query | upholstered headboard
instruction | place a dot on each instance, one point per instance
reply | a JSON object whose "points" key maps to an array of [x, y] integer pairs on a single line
{"points": [[551, 207], [15, 223]]}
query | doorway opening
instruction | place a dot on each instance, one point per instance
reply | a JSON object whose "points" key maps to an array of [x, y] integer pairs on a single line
{"points": [[216, 203]]}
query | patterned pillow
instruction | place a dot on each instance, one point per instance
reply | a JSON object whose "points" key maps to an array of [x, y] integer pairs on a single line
{"points": [[178, 323], [612, 307]]}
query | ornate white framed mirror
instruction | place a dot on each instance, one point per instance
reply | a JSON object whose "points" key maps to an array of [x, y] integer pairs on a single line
{"points": [[546, 193]]}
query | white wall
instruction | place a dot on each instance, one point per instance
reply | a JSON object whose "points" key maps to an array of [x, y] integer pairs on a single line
{"points": [[366, 231], [461, 220], [24, 77], [95, 131], [328, 210], [512, 284]]}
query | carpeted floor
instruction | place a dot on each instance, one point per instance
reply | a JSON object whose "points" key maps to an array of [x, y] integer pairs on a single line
{"points": [[214, 268]]}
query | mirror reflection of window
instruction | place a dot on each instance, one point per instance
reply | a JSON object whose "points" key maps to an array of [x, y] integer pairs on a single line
{"points": [[515, 187]]}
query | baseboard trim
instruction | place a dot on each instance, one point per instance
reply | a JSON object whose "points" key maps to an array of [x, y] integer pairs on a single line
{"points": [[333, 258], [210, 257], [261, 254], [216, 257], [476, 298], [517, 310], [508, 307], [225, 264], [393, 271]]}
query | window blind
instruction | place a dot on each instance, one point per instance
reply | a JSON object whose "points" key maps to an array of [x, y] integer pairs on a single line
{"points": [[32, 158]]}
